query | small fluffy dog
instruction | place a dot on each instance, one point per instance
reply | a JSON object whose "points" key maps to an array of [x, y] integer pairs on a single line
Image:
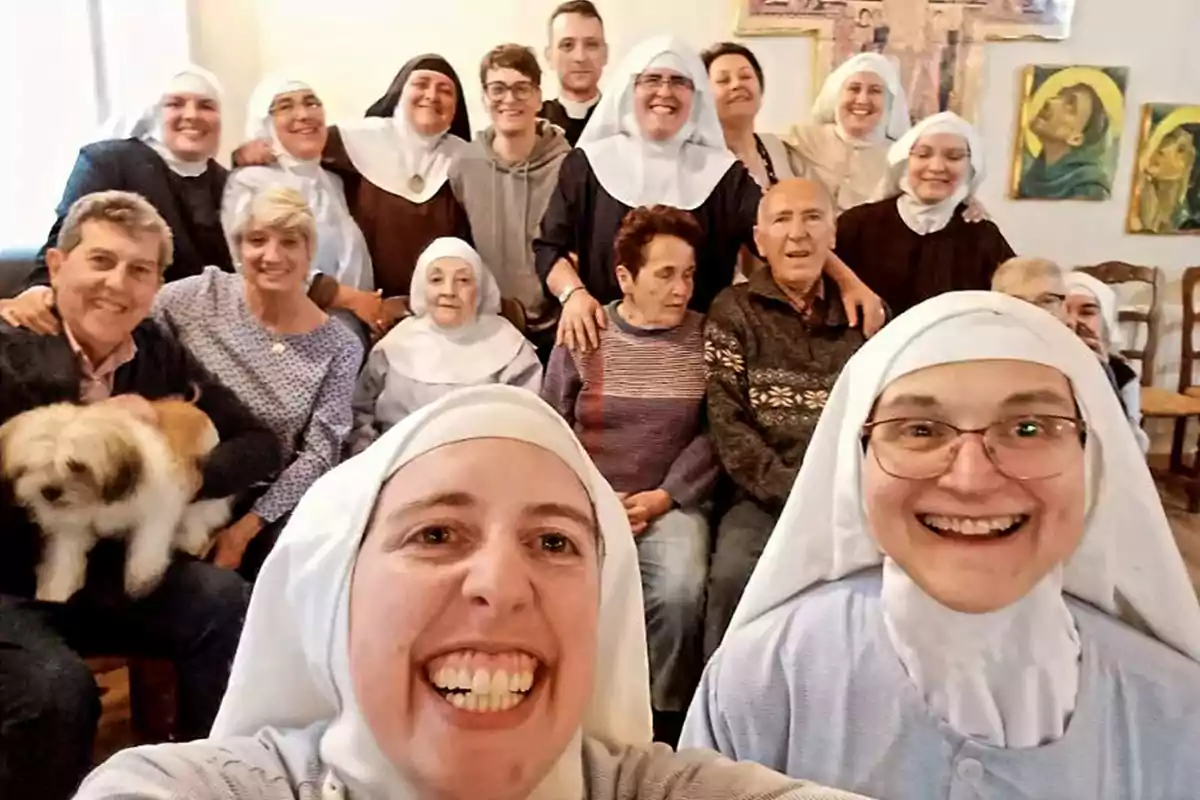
{"points": [[103, 471]]}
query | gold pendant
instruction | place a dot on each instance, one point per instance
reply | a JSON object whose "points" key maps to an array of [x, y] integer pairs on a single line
{"points": [[277, 348], [416, 183]]}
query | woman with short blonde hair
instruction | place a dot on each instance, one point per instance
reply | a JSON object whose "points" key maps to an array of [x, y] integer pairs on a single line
{"points": [[262, 336]]}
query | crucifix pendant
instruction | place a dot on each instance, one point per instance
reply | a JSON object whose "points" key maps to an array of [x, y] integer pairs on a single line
{"points": [[416, 183]]}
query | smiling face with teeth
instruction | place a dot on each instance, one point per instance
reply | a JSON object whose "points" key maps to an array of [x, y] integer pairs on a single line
{"points": [[473, 614], [860, 105], [191, 125], [662, 102], [973, 538], [299, 121]]}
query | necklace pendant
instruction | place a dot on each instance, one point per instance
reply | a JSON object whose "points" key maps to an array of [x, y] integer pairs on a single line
{"points": [[277, 348], [416, 183]]}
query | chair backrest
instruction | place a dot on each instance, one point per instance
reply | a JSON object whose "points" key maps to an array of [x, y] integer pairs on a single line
{"points": [[1119, 272], [510, 308], [1191, 277]]}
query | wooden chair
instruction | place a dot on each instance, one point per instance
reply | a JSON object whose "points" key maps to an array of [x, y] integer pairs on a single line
{"points": [[1158, 403], [1187, 388], [152, 701]]}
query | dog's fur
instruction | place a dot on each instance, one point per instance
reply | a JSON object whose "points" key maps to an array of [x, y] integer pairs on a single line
{"points": [[101, 471]]}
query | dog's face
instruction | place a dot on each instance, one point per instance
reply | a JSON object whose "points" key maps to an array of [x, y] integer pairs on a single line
{"points": [[62, 457]]}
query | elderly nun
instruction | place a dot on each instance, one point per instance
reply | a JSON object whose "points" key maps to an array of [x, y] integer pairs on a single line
{"points": [[860, 111], [164, 151], [916, 243], [456, 613], [455, 337], [1091, 311], [973, 590], [657, 140], [290, 115]]}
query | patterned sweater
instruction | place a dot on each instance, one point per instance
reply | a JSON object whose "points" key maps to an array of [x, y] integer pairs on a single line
{"points": [[770, 369], [637, 405]]}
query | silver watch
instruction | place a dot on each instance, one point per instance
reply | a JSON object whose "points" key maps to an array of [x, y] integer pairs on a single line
{"points": [[566, 295]]}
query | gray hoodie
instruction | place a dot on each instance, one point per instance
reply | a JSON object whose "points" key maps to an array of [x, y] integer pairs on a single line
{"points": [[505, 203]]}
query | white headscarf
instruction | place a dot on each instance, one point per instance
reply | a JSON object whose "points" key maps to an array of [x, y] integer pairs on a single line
{"points": [[292, 670], [1127, 564], [420, 349], [146, 123], [680, 172], [1080, 283], [390, 153], [895, 121], [920, 217], [341, 250]]}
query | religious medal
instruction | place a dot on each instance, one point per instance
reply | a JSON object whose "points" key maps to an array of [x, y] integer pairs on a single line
{"points": [[416, 183]]}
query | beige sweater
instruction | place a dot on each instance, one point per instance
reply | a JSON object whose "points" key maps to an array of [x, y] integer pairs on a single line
{"points": [[251, 769]]}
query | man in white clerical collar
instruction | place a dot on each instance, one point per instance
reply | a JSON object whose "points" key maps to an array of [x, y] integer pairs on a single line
{"points": [[577, 53]]}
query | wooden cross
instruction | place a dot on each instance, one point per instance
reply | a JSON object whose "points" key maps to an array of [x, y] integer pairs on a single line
{"points": [[938, 44]]}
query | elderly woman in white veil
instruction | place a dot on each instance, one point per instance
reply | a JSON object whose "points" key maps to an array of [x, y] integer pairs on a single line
{"points": [[454, 614], [289, 114], [860, 111], [1091, 311], [656, 140], [973, 588], [455, 337], [163, 150]]}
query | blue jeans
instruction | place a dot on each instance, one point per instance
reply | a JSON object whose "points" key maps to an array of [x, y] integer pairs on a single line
{"points": [[673, 556], [49, 703]]}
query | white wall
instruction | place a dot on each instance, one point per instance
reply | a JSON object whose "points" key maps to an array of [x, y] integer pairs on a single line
{"points": [[351, 49]]}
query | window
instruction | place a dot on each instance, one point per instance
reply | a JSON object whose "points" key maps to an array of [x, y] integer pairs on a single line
{"points": [[64, 66]]}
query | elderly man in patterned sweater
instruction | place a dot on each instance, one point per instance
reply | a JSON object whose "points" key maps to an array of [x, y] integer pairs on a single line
{"points": [[773, 347], [637, 404]]}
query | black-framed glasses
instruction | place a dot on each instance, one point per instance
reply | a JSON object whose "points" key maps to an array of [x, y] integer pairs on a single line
{"points": [[521, 90], [1024, 448], [653, 82]]}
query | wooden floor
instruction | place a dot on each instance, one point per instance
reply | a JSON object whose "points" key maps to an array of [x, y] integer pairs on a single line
{"points": [[116, 731]]}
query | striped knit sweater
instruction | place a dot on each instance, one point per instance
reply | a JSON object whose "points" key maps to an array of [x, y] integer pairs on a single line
{"points": [[637, 405]]}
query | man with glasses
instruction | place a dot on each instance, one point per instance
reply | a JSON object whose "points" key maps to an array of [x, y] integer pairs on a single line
{"points": [[578, 53], [504, 180], [773, 346]]}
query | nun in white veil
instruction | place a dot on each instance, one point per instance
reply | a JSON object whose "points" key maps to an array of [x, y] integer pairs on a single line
{"points": [[455, 337], [860, 111], [289, 114], [162, 149], [944, 611], [919, 240], [1091, 310], [654, 140], [456, 613]]}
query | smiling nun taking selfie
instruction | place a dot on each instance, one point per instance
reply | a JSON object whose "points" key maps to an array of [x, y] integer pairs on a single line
{"points": [[456, 614], [973, 590]]}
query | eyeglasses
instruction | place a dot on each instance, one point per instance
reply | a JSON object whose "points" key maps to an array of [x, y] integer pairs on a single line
{"points": [[1026, 448], [521, 90], [287, 108], [653, 82]]}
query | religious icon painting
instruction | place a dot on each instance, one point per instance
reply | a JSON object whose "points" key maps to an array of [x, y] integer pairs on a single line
{"points": [[1068, 132], [937, 45], [1166, 178]]}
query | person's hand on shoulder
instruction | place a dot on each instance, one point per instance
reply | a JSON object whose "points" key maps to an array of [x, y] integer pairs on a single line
{"points": [[32, 309]]}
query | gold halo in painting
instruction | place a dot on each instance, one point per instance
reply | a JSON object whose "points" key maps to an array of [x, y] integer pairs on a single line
{"points": [[1185, 115], [1104, 87]]}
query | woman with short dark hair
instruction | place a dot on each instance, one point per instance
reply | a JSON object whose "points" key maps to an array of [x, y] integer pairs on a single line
{"points": [[738, 84]]}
